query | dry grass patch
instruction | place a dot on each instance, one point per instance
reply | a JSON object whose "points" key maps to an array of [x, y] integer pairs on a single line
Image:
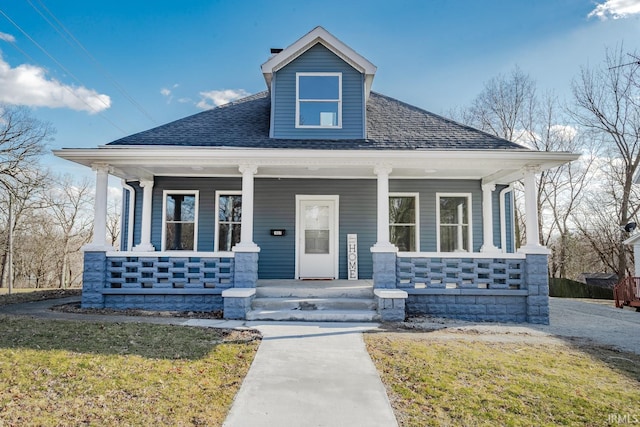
{"points": [[435, 382], [73, 373], [31, 295]]}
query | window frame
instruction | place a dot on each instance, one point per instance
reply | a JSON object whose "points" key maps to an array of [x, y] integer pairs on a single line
{"points": [[339, 100], [416, 224], [469, 198], [216, 236], [166, 193]]}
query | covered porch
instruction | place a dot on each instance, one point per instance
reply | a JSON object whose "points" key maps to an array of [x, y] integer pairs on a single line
{"points": [[147, 274]]}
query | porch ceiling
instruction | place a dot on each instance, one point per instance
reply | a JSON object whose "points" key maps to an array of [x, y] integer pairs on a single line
{"points": [[134, 163]]}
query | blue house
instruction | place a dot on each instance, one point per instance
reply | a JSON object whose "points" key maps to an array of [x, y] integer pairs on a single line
{"points": [[319, 191]]}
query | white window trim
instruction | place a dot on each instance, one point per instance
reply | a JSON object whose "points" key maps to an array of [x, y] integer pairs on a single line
{"points": [[469, 218], [298, 125], [195, 193], [417, 223], [216, 242]]}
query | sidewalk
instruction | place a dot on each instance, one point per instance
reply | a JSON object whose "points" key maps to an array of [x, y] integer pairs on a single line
{"points": [[311, 374], [304, 374]]}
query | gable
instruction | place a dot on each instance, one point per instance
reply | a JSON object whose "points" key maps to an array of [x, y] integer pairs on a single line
{"points": [[317, 59]]}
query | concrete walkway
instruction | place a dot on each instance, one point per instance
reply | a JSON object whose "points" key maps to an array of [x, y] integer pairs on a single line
{"points": [[311, 374]]}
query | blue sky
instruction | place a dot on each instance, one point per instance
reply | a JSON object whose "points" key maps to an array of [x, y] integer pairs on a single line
{"points": [[146, 63]]}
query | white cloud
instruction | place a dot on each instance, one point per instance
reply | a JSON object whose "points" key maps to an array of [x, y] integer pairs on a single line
{"points": [[28, 85], [168, 93], [7, 37], [616, 9], [215, 98], [165, 92]]}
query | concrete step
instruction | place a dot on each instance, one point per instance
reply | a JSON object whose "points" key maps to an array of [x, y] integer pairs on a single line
{"points": [[291, 303], [314, 291], [315, 315]]}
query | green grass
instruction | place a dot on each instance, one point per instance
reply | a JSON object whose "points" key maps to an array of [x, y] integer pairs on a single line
{"points": [[77, 373], [462, 382]]}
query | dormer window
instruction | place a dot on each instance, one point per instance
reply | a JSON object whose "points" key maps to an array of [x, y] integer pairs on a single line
{"points": [[319, 100]]}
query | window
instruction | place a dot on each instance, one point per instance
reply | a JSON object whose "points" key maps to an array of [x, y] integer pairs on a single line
{"points": [[403, 228], [229, 208], [180, 215], [319, 100], [454, 222]]}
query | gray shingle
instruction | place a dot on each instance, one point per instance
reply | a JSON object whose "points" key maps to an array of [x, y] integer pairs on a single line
{"points": [[391, 124]]}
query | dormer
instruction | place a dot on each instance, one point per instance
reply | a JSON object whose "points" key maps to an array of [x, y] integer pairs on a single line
{"points": [[319, 89]]}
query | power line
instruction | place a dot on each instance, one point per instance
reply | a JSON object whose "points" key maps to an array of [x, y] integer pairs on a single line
{"points": [[96, 63], [65, 70]]}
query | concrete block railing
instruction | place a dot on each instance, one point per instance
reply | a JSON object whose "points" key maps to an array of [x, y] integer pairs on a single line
{"points": [[469, 286], [193, 281]]}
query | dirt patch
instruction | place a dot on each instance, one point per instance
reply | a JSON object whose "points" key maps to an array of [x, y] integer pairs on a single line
{"points": [[75, 308]]}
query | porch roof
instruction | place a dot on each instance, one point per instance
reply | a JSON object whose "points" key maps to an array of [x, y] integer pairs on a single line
{"points": [[145, 162]]}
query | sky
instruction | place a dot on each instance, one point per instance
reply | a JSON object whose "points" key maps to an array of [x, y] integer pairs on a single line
{"points": [[102, 69]]}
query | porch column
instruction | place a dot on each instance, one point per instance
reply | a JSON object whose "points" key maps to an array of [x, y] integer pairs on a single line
{"points": [[145, 231], [531, 214], [383, 252], [246, 228], [99, 242], [383, 244], [487, 218]]}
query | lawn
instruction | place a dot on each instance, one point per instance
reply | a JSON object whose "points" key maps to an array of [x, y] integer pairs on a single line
{"points": [[82, 373], [30, 294], [440, 382]]}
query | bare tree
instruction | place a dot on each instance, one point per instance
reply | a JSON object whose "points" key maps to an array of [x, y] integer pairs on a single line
{"points": [[113, 222], [68, 204], [606, 104], [509, 107], [22, 141]]}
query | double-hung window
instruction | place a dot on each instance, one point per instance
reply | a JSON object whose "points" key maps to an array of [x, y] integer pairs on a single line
{"points": [[318, 100], [228, 220], [454, 222], [180, 220], [403, 221]]}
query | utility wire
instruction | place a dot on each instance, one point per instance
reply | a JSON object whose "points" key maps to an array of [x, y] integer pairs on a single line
{"points": [[96, 63], [66, 71]]}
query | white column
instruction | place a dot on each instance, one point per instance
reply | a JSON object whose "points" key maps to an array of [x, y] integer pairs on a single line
{"points": [[531, 214], [383, 244], [487, 218], [246, 229], [99, 242], [145, 231]]}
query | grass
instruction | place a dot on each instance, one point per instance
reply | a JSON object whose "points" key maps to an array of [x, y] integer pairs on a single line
{"points": [[76, 373], [454, 382], [30, 294]]}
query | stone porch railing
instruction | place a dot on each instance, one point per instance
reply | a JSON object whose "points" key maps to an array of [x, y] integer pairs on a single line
{"points": [[166, 281], [469, 286]]}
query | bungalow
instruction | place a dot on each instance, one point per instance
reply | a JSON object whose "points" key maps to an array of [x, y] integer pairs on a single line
{"points": [[266, 207]]}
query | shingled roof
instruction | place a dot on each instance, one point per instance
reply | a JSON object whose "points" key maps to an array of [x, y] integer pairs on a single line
{"points": [[391, 125]]}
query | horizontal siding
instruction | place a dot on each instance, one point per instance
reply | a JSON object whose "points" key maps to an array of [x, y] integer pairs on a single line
{"points": [[427, 190], [275, 207], [318, 59], [207, 188]]}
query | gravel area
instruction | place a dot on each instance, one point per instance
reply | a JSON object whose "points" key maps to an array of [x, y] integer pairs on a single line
{"points": [[580, 321]]}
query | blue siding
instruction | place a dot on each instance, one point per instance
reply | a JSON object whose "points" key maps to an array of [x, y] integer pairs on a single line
{"points": [[283, 108], [495, 206], [511, 235], [124, 220], [275, 208], [427, 190], [207, 188]]}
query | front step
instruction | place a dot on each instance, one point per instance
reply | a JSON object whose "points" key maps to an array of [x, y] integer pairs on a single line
{"points": [[315, 315], [315, 301]]}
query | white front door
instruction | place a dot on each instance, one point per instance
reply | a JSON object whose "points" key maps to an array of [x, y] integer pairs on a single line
{"points": [[317, 237]]}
